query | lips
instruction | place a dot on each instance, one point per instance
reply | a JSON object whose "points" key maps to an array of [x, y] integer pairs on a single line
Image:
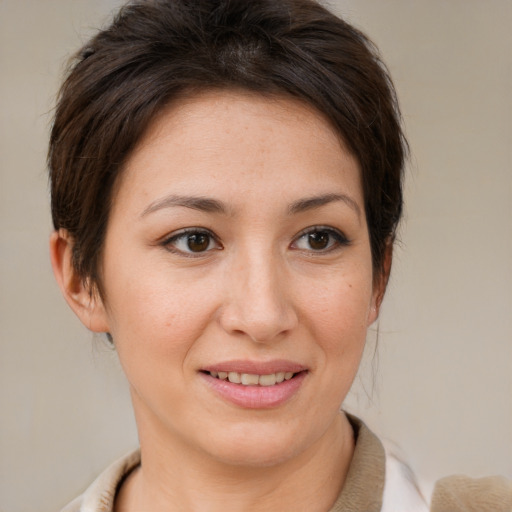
{"points": [[255, 385]]}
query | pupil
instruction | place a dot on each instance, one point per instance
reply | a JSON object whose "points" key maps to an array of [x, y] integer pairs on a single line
{"points": [[198, 242], [318, 240]]}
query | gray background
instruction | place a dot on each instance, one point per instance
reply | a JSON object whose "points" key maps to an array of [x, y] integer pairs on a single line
{"points": [[441, 384]]}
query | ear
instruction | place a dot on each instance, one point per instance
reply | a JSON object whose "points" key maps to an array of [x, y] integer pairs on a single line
{"points": [[84, 301], [380, 283]]}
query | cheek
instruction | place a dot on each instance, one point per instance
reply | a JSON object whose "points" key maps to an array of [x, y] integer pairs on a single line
{"points": [[337, 316], [342, 304], [336, 319], [154, 317]]}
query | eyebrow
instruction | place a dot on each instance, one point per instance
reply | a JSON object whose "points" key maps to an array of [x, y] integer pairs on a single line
{"points": [[209, 205], [312, 203], [203, 204]]}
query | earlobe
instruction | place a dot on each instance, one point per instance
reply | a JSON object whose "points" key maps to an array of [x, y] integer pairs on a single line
{"points": [[85, 302]]}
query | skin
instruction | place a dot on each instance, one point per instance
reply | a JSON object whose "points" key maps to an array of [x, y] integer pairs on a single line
{"points": [[258, 290]]}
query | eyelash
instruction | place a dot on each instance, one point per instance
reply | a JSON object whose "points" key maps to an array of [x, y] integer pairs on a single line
{"points": [[336, 240], [186, 235]]}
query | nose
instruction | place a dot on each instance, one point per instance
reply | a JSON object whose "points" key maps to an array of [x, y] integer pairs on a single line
{"points": [[258, 299]]}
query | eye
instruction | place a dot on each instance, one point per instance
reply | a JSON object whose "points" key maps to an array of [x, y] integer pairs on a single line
{"points": [[191, 242], [320, 239]]}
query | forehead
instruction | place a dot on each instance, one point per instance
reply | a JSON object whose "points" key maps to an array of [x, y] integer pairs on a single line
{"points": [[231, 141]]}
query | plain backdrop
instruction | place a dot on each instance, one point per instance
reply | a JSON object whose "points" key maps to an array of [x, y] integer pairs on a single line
{"points": [[440, 384]]}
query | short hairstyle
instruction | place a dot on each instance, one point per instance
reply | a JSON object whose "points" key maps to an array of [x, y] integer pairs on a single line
{"points": [[155, 51]]}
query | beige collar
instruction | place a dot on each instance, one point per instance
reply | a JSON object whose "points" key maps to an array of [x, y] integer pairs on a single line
{"points": [[364, 485]]}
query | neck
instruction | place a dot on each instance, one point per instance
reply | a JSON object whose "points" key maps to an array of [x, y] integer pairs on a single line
{"points": [[174, 477]]}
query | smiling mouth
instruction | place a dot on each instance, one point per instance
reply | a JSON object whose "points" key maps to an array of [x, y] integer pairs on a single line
{"points": [[252, 379]]}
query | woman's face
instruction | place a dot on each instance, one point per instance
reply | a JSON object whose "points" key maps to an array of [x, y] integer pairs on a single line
{"points": [[238, 245]]}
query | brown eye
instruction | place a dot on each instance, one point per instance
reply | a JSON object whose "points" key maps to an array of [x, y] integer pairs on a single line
{"points": [[319, 240], [198, 242], [191, 242]]}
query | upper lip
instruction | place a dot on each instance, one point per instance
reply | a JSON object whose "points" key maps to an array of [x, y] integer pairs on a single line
{"points": [[255, 367]]}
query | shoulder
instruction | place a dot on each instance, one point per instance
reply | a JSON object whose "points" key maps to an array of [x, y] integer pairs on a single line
{"points": [[74, 506], [99, 496], [455, 493], [459, 493]]}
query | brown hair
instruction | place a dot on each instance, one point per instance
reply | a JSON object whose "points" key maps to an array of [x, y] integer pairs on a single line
{"points": [[156, 50]]}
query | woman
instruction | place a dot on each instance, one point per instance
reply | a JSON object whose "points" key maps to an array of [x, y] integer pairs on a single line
{"points": [[226, 186]]}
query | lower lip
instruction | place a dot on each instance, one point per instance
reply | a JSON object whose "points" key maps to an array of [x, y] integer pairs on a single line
{"points": [[256, 397]]}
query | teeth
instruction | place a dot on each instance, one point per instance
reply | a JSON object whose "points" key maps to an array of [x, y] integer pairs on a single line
{"points": [[251, 379], [234, 377], [267, 380]]}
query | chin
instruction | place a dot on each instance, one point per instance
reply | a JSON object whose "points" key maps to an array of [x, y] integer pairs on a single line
{"points": [[258, 446], [255, 455]]}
